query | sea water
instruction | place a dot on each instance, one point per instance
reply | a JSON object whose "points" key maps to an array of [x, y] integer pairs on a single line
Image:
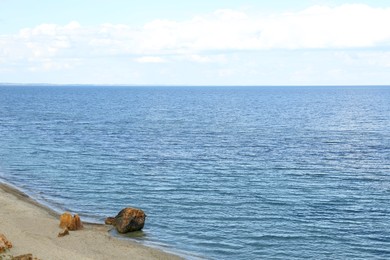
{"points": [[221, 172]]}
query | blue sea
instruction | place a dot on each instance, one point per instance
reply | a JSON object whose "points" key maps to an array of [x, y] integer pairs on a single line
{"points": [[221, 172]]}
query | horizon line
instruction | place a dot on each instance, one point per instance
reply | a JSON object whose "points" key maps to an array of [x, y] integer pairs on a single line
{"points": [[187, 85]]}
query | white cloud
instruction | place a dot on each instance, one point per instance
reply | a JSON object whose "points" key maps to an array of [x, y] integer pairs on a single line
{"points": [[149, 59], [222, 40], [216, 58], [346, 26], [50, 65], [45, 45]]}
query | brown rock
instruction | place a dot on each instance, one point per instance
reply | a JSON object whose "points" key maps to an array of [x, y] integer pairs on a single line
{"points": [[63, 233], [23, 257], [110, 221], [77, 222], [129, 219], [69, 222], [4, 243], [65, 220]]}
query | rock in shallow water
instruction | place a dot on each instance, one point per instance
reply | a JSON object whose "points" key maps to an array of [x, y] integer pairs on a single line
{"points": [[128, 220]]}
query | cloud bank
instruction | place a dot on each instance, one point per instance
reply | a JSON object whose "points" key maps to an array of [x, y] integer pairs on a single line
{"points": [[205, 39]]}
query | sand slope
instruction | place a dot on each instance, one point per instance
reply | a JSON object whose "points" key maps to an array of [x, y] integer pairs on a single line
{"points": [[33, 229]]}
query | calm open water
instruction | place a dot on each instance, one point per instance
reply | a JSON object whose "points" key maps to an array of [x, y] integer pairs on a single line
{"points": [[222, 173]]}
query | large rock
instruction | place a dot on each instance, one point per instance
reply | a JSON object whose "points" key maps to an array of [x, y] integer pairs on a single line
{"points": [[4, 243], [69, 222], [129, 220]]}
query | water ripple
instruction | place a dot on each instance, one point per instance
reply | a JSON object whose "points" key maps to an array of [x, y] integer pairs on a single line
{"points": [[222, 173]]}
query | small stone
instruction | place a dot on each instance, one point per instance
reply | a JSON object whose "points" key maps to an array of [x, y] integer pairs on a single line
{"points": [[63, 233], [23, 257], [129, 220], [110, 221], [4, 243]]}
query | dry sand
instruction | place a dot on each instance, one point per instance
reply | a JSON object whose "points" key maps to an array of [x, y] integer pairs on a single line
{"points": [[33, 228]]}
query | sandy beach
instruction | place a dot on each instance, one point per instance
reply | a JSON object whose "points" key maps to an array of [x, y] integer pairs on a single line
{"points": [[33, 228]]}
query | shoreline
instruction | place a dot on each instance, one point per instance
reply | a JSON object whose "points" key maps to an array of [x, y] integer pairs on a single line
{"points": [[33, 228]]}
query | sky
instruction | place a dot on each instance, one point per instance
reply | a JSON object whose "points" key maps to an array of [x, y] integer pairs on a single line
{"points": [[203, 42]]}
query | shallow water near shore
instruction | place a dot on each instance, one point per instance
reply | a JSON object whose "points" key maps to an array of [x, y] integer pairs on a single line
{"points": [[222, 173]]}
